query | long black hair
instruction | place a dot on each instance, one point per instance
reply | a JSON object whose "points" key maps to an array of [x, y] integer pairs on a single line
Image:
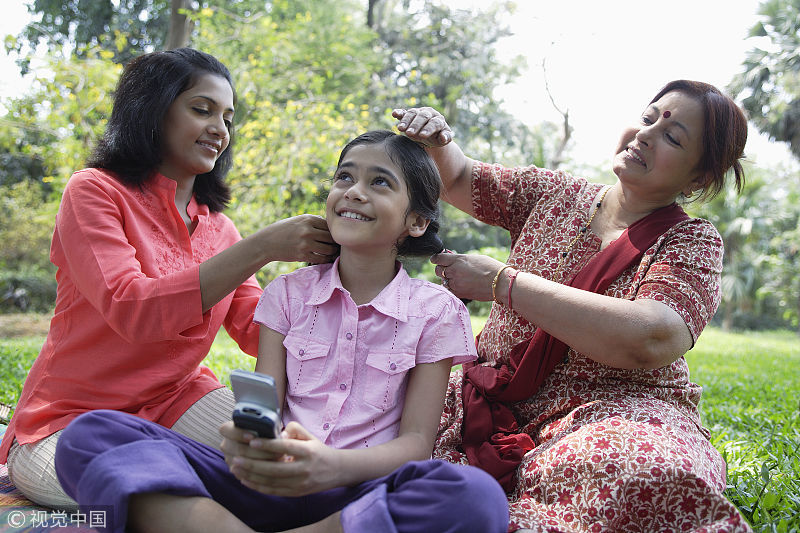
{"points": [[423, 182], [131, 144]]}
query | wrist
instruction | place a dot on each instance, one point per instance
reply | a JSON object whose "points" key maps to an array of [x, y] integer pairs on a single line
{"points": [[496, 291], [505, 285], [263, 245]]}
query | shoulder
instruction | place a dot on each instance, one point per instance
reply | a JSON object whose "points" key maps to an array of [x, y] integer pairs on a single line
{"points": [[525, 173], [432, 299], [694, 243], [94, 177], [94, 186], [694, 229], [304, 277]]}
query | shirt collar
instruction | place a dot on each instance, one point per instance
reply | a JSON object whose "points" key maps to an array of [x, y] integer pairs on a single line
{"points": [[392, 300], [165, 188]]}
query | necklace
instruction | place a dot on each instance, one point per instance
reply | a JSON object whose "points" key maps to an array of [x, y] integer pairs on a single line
{"points": [[582, 231]]}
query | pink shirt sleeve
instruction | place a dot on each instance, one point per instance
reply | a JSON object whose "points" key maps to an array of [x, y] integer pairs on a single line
{"points": [[104, 266], [448, 335], [272, 310]]}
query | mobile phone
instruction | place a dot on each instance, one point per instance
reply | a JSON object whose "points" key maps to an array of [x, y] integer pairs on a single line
{"points": [[256, 408]]}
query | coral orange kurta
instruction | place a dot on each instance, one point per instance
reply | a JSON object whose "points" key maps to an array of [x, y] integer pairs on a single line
{"points": [[128, 332]]}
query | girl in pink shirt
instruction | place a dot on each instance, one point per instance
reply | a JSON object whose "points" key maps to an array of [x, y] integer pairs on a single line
{"points": [[149, 269], [361, 354]]}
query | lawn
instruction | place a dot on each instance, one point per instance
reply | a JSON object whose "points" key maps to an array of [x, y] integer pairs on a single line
{"points": [[750, 403]]}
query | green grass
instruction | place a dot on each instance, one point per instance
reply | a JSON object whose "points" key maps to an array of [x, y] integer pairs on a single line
{"points": [[750, 403]]}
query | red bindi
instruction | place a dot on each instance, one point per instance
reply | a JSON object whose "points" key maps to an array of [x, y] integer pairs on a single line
{"points": [[667, 114]]}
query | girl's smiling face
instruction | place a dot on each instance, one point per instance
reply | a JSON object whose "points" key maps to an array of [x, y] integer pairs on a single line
{"points": [[659, 157], [196, 128], [368, 206]]}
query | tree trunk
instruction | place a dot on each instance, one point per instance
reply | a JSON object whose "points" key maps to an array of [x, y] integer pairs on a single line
{"points": [[180, 27]]}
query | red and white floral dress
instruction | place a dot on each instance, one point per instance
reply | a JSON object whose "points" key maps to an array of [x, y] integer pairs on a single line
{"points": [[616, 450]]}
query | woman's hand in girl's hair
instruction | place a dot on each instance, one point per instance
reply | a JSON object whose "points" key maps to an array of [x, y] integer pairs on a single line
{"points": [[302, 238], [424, 125], [468, 275], [308, 465]]}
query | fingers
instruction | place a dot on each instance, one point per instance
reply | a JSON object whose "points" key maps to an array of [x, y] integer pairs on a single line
{"points": [[294, 430], [424, 124], [239, 443], [290, 476], [314, 241], [445, 259]]}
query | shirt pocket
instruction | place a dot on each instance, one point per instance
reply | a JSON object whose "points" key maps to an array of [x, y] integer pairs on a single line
{"points": [[305, 362], [385, 377]]}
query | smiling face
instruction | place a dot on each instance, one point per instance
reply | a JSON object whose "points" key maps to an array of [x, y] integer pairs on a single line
{"points": [[196, 128], [658, 158], [367, 206]]}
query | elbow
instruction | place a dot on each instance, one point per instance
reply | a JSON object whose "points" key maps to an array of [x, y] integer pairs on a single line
{"points": [[657, 348], [420, 447]]}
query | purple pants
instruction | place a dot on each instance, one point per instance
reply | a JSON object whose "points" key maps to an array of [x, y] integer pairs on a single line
{"points": [[104, 457]]}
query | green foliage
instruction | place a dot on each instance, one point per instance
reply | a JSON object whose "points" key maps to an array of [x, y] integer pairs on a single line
{"points": [[26, 228], [16, 358], [32, 290], [770, 82], [144, 23], [61, 118], [750, 404], [760, 272], [444, 57]]}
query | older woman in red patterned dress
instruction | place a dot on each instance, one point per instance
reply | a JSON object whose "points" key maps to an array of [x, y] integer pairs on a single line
{"points": [[582, 406]]}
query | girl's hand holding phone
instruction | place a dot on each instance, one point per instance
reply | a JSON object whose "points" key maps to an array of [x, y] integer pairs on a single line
{"points": [[238, 442], [304, 466]]}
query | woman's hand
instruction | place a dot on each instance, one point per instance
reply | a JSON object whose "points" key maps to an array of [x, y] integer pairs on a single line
{"points": [[467, 276], [294, 465], [303, 238], [424, 125]]}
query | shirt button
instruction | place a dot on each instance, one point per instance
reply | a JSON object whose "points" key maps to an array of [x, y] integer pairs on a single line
{"points": [[393, 367], [325, 426], [342, 387], [349, 336], [301, 352]]}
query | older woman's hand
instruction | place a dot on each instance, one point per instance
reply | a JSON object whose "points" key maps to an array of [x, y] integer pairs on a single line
{"points": [[467, 276], [424, 125]]}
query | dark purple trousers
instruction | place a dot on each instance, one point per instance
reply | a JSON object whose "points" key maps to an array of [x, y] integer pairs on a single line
{"points": [[104, 457]]}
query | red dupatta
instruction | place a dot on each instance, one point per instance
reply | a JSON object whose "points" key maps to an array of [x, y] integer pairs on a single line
{"points": [[491, 436]]}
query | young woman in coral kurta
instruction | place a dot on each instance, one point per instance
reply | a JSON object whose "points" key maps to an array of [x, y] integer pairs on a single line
{"points": [[149, 269]]}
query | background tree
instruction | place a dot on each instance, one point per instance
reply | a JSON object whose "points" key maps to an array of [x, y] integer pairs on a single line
{"points": [[310, 75], [86, 24], [770, 84]]}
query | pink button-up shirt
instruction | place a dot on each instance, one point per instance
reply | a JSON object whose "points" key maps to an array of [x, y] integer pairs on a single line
{"points": [[347, 365]]}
